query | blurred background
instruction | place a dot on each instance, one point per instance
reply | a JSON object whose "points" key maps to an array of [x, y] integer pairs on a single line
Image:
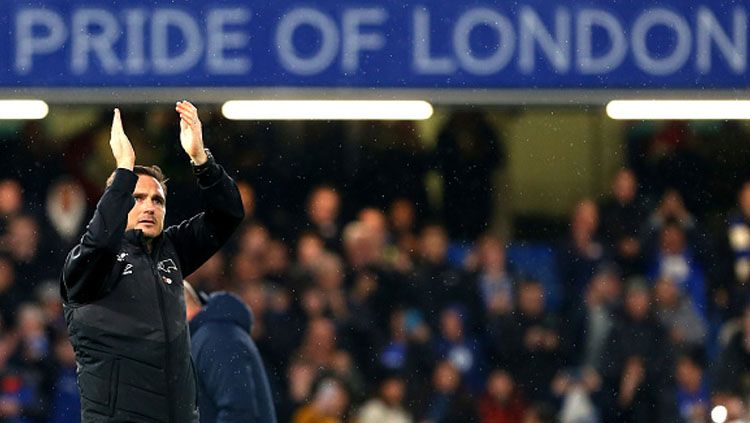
{"points": [[513, 252]]}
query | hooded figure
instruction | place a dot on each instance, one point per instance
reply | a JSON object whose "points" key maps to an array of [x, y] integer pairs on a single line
{"points": [[232, 382]]}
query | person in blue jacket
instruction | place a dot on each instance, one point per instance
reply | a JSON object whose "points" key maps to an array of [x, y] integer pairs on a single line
{"points": [[232, 382]]}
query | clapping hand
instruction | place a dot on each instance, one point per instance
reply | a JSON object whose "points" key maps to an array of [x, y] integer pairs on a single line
{"points": [[122, 150], [191, 132]]}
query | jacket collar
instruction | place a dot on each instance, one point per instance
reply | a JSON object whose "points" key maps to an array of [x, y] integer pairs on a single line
{"points": [[135, 237]]}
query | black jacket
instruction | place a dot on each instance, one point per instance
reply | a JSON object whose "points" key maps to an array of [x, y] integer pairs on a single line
{"points": [[125, 309], [232, 382]]}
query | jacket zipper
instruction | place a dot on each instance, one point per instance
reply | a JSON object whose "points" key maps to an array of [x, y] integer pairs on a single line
{"points": [[162, 311]]}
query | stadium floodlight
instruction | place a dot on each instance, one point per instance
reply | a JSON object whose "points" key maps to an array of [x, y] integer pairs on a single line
{"points": [[679, 109], [327, 110], [23, 109]]}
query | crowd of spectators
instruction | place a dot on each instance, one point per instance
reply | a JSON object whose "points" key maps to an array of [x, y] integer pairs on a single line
{"points": [[371, 311]]}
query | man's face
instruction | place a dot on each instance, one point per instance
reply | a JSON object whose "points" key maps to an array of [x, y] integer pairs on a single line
{"points": [[324, 206], [625, 186], [531, 299], [150, 207]]}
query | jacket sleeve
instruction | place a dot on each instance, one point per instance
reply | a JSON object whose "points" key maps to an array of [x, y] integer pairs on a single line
{"points": [[89, 262], [198, 238], [225, 364]]}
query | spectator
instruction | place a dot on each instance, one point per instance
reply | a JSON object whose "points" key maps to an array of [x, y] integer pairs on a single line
{"points": [[301, 375], [374, 288], [10, 294], [621, 220], [11, 201], [372, 298], [323, 208], [255, 297], [66, 401], [276, 262], [34, 346], [496, 285], [29, 381], [731, 371], [448, 401], [329, 277], [437, 284], [677, 314], [675, 261], [12, 391], [361, 247], [589, 328], [733, 287], [48, 298], [22, 238], [31, 265], [319, 344], [387, 405], [377, 225], [253, 239], [580, 254], [461, 349], [309, 248], [330, 403], [528, 342], [692, 397], [279, 343], [402, 217], [407, 349], [343, 368], [313, 304], [468, 152], [671, 209], [540, 412], [578, 389], [501, 402], [247, 193], [66, 209], [246, 269], [635, 361], [8, 343]]}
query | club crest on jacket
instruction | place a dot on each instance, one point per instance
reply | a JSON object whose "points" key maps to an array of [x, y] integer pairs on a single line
{"points": [[166, 266]]}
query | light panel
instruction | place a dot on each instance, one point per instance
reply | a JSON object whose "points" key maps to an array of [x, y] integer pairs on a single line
{"points": [[679, 109], [23, 109], [327, 110]]}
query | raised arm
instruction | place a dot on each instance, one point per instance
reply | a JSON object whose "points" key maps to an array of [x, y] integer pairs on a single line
{"points": [[198, 238], [89, 262]]}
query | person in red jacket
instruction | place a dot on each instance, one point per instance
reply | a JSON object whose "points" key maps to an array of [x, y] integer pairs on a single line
{"points": [[501, 402]]}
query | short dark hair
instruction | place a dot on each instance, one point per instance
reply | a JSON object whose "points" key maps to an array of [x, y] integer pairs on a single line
{"points": [[154, 171]]}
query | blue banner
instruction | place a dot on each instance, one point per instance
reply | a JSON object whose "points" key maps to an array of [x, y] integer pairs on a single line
{"points": [[572, 44]]}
